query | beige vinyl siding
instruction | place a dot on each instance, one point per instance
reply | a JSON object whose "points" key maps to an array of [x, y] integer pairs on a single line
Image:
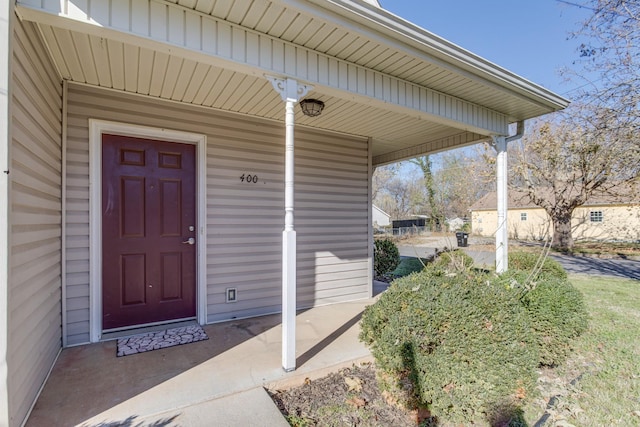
{"points": [[244, 220], [35, 213], [332, 219]]}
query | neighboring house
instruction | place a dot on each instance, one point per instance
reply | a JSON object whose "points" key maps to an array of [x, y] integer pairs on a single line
{"points": [[601, 218], [380, 217], [146, 159]]}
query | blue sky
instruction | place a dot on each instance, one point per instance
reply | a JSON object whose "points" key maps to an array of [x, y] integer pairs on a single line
{"points": [[527, 37]]}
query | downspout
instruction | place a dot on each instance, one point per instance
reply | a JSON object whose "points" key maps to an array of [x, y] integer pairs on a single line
{"points": [[502, 232]]}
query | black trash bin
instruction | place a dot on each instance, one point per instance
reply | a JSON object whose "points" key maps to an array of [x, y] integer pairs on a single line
{"points": [[463, 239]]}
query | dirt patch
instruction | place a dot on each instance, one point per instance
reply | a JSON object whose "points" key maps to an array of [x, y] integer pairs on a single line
{"points": [[349, 397]]}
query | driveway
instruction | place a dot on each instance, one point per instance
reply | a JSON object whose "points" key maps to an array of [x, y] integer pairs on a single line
{"points": [[618, 267]]}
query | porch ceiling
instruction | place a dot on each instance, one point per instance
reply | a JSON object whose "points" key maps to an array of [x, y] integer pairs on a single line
{"points": [[368, 37]]}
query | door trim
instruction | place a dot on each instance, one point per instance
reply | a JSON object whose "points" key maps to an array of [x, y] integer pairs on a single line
{"points": [[96, 129]]}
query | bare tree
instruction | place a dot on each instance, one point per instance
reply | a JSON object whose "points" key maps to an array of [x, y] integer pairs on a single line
{"points": [[398, 194], [382, 176], [608, 64], [562, 164], [461, 181]]}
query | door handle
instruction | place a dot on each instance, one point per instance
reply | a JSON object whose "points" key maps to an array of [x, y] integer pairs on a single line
{"points": [[190, 241]]}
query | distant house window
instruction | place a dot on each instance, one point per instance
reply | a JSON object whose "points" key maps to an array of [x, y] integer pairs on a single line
{"points": [[595, 216], [523, 216]]}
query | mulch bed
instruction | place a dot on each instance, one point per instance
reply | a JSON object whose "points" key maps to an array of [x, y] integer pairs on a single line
{"points": [[349, 397]]}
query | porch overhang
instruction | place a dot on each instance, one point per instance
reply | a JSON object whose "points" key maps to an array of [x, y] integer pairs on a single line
{"points": [[380, 77], [404, 89]]}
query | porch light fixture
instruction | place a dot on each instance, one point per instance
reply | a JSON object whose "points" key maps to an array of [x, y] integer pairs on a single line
{"points": [[311, 107]]}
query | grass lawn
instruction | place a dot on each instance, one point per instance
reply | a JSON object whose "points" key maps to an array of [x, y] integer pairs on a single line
{"points": [[600, 384]]}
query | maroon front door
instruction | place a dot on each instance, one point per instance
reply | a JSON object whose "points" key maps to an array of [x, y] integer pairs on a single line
{"points": [[148, 231]]}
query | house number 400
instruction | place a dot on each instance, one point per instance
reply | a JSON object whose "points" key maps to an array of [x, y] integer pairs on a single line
{"points": [[251, 179]]}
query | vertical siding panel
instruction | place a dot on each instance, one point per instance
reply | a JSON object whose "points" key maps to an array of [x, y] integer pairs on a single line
{"points": [[334, 72], [52, 5], [33, 3], [176, 21], [302, 64], [343, 75], [352, 76], [34, 335], [266, 59], [239, 43], [157, 21], [312, 67], [120, 14], [244, 220], [100, 11], [209, 36], [253, 49], [224, 39], [140, 25], [278, 56], [323, 70], [193, 33], [290, 59]]}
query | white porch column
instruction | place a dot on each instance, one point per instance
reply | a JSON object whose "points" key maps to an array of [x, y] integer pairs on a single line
{"points": [[502, 232], [291, 93]]}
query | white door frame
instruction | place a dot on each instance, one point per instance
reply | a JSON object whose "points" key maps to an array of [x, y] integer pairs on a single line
{"points": [[96, 129]]}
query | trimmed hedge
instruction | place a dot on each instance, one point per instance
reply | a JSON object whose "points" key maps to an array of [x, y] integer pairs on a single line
{"points": [[458, 344], [386, 257], [452, 262], [526, 261], [558, 315], [465, 343], [556, 308]]}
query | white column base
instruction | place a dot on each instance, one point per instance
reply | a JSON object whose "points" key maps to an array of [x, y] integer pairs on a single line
{"points": [[289, 300]]}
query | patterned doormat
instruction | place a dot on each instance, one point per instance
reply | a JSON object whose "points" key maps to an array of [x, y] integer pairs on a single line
{"points": [[162, 339]]}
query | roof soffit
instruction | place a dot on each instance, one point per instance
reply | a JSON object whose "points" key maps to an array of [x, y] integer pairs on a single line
{"points": [[344, 29], [334, 77], [402, 49]]}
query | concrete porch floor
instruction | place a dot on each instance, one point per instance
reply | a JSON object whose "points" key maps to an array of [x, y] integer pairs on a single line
{"points": [[217, 382]]}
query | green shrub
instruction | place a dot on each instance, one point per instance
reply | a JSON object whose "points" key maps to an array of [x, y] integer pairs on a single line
{"points": [[452, 262], [459, 344], [408, 266], [385, 256], [555, 307], [526, 261], [558, 315]]}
